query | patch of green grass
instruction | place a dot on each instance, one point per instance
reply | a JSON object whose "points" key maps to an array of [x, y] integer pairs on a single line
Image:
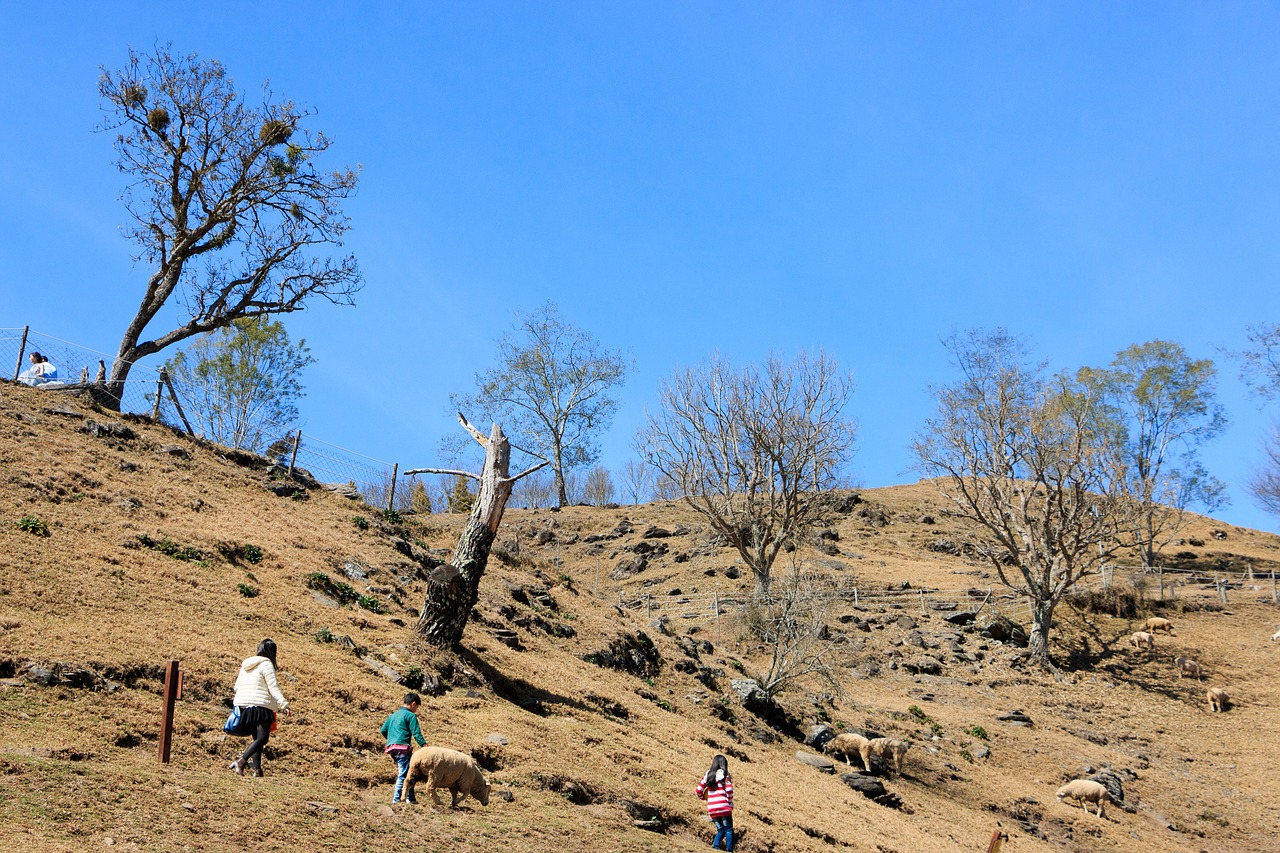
{"points": [[170, 548], [966, 755], [247, 591], [33, 525], [360, 522], [977, 731], [373, 605], [324, 635], [343, 592], [392, 516], [252, 553]]}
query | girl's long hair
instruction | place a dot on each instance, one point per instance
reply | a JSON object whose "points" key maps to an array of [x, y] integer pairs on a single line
{"points": [[717, 774], [267, 649]]}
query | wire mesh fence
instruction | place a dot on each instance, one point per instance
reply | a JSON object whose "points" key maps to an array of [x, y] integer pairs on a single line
{"points": [[151, 392]]}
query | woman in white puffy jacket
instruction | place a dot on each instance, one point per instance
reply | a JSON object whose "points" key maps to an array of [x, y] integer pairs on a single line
{"points": [[258, 697]]}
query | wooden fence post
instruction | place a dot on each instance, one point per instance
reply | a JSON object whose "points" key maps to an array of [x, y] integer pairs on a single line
{"points": [[994, 845], [155, 409], [715, 603], [164, 375], [597, 574], [22, 350], [293, 457], [1273, 586], [391, 498], [172, 692], [1162, 583]]}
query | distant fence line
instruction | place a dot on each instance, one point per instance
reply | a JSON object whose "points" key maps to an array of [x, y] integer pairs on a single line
{"points": [[377, 481]]}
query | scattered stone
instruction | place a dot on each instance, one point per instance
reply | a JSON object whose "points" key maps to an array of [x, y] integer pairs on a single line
{"points": [[633, 653], [383, 669], [322, 808], [821, 762], [906, 623], [175, 451], [655, 532], [108, 430], [508, 638], [818, 735], [1005, 630], [544, 537], [980, 752], [499, 739], [732, 573], [1016, 718], [962, 617]]}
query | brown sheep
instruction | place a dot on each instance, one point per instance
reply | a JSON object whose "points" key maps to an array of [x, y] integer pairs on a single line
{"points": [[1155, 623], [1218, 699], [446, 768], [1186, 666], [890, 751], [846, 744]]}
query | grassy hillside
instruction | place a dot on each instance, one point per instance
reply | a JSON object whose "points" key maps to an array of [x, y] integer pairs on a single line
{"points": [[124, 545]]}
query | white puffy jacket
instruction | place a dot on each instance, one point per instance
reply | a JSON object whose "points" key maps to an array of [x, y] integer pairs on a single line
{"points": [[256, 685]]}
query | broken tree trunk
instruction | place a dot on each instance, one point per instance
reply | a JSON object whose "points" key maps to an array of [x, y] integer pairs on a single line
{"points": [[452, 589]]}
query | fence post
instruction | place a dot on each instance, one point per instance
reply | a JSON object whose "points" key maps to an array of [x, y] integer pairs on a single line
{"points": [[1162, 583], [164, 376], [1273, 586], [395, 472], [648, 607], [715, 603], [922, 609], [597, 592], [172, 691], [293, 457], [155, 409], [855, 596], [22, 350]]}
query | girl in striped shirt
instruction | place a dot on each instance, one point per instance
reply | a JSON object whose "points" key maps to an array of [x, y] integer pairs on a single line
{"points": [[717, 789]]}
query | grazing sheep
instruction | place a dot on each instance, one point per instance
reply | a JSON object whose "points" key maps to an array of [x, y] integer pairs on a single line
{"points": [[1141, 639], [890, 752], [1186, 666], [1086, 791], [846, 744], [1276, 635], [1218, 699], [446, 768]]}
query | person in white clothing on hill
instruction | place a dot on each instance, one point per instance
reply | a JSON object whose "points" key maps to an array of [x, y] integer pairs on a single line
{"points": [[258, 697]]}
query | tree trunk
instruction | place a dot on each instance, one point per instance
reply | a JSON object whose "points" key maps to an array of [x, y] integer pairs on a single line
{"points": [[452, 589], [1038, 641]]}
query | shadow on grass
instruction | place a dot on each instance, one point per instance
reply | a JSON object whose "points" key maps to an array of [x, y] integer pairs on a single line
{"points": [[517, 691]]}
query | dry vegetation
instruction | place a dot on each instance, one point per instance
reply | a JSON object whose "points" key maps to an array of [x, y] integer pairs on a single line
{"points": [[94, 612]]}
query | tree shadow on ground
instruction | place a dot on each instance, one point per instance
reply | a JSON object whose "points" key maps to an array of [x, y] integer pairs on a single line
{"points": [[1149, 670], [517, 691]]}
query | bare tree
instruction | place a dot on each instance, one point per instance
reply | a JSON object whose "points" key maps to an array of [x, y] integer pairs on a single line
{"points": [[1264, 485], [1164, 406], [792, 626], [1026, 459], [452, 589], [552, 388], [1260, 369], [597, 488], [228, 204], [752, 449], [636, 478], [535, 491]]}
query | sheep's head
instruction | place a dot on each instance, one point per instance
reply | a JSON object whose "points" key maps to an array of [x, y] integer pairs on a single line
{"points": [[482, 793]]}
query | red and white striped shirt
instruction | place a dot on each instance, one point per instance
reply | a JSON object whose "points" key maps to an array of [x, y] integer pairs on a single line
{"points": [[719, 799]]}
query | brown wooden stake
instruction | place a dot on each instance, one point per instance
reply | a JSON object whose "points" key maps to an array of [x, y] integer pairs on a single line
{"points": [[173, 395], [994, 845], [395, 470], [172, 688], [22, 350], [293, 457]]}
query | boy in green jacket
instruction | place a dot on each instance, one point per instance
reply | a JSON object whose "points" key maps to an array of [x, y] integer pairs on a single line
{"points": [[398, 729]]}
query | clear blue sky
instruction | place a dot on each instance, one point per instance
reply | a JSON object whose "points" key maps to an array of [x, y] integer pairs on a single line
{"points": [[682, 177]]}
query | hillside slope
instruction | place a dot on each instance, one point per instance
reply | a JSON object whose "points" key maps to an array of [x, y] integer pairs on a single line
{"points": [[159, 547]]}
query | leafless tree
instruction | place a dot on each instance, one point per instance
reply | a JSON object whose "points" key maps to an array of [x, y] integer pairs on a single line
{"points": [[1264, 485], [535, 491], [791, 624], [452, 589], [228, 203], [636, 478], [752, 450], [1260, 369], [1026, 459], [597, 488]]}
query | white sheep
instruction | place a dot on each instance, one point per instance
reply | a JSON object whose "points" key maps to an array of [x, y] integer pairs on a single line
{"points": [[1155, 623], [1218, 699], [1186, 666], [846, 744], [1086, 791], [1142, 639], [1276, 635]]}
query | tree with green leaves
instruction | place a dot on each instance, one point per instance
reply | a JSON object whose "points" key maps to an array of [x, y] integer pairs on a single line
{"points": [[231, 211], [242, 382], [552, 389], [753, 450], [1026, 458], [1165, 407]]}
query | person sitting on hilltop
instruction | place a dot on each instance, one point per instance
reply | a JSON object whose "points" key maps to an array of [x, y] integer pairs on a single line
{"points": [[40, 372]]}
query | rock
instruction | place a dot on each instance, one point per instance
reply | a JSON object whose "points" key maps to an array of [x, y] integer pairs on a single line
{"points": [[818, 735], [505, 796], [354, 570], [750, 693], [507, 637], [868, 786], [732, 573], [175, 451], [385, 811], [906, 623], [1111, 780], [943, 605], [923, 665], [980, 752], [1016, 718], [544, 537], [1005, 630], [821, 762], [633, 653], [629, 568], [323, 808], [655, 533], [961, 617], [108, 430], [499, 739], [382, 669]]}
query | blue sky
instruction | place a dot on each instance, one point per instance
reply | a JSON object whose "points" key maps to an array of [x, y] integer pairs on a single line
{"points": [[685, 177]]}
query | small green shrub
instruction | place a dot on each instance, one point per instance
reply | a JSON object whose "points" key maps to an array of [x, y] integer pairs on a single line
{"points": [[247, 591], [373, 605], [252, 553], [360, 522], [977, 731], [916, 712], [320, 582], [170, 548], [392, 516], [966, 755], [324, 635], [33, 525]]}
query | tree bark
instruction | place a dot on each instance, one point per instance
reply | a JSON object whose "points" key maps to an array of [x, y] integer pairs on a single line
{"points": [[452, 589], [1041, 623]]}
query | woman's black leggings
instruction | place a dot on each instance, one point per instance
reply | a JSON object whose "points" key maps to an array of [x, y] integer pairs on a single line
{"points": [[252, 756]]}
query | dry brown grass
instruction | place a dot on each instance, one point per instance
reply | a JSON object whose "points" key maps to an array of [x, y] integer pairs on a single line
{"points": [[78, 765]]}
